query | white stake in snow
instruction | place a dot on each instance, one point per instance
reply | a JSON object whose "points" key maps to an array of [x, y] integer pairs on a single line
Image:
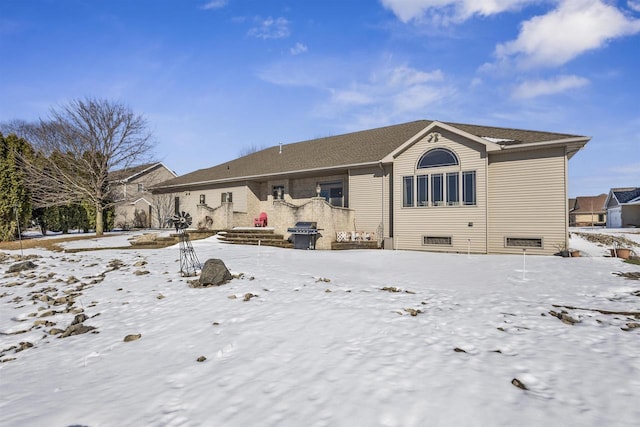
{"points": [[468, 248], [524, 264]]}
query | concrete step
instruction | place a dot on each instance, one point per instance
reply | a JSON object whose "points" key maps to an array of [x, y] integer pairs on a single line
{"points": [[254, 236]]}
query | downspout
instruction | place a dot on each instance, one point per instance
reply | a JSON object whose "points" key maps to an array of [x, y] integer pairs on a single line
{"points": [[566, 201], [381, 200], [486, 204]]}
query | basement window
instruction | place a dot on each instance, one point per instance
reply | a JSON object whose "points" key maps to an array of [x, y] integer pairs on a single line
{"points": [[523, 242], [436, 240]]}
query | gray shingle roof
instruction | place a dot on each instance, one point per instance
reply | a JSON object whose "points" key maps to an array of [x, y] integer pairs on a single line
{"points": [[124, 174], [627, 195], [363, 147]]}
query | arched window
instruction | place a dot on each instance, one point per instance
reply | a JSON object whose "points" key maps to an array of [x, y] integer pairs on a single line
{"points": [[437, 157]]}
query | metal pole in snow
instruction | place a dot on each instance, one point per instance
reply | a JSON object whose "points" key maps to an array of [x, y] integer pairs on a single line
{"points": [[468, 248], [15, 208], [524, 264]]}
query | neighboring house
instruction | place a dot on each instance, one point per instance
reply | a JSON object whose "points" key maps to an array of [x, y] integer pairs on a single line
{"points": [[623, 207], [423, 185], [587, 211], [136, 205]]}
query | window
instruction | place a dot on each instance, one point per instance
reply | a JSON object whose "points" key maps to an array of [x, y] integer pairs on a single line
{"points": [[437, 190], [453, 198], [332, 193], [436, 158], [176, 205], [278, 192], [423, 192], [407, 191], [523, 242], [469, 187], [202, 199], [140, 188], [436, 240], [226, 197]]}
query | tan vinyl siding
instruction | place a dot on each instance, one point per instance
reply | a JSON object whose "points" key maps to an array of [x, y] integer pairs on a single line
{"points": [[411, 224], [527, 198], [366, 198]]}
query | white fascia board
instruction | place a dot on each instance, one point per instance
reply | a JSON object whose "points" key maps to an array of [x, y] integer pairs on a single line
{"points": [[153, 166], [576, 142], [490, 146], [635, 201], [143, 199], [609, 196]]}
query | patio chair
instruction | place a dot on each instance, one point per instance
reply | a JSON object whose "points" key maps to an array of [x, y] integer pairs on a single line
{"points": [[261, 220]]}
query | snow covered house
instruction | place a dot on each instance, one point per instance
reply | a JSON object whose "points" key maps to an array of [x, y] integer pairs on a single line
{"points": [[623, 207], [136, 205], [422, 185]]}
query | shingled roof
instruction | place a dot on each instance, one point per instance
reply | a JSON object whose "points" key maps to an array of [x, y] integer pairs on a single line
{"points": [[589, 204], [625, 195], [356, 148], [130, 173]]}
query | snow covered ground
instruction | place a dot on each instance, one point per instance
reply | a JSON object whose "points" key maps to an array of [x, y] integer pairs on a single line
{"points": [[321, 343]]}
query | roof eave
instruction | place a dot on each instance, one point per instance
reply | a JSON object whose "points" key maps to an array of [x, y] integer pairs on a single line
{"points": [[490, 146], [574, 144], [263, 176]]}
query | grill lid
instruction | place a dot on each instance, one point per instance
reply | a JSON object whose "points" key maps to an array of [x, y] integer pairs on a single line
{"points": [[304, 227]]}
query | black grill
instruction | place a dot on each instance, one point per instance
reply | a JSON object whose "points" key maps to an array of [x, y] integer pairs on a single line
{"points": [[304, 235]]}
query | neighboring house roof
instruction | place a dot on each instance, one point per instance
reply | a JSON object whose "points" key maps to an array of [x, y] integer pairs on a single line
{"points": [[124, 175], [348, 150], [589, 204], [622, 196], [627, 195], [572, 204]]}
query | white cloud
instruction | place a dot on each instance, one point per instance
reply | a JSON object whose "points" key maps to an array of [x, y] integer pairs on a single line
{"points": [[456, 10], [270, 28], [351, 97], [406, 76], [366, 93], [575, 27], [535, 88], [214, 4], [634, 5], [390, 93], [298, 49]]}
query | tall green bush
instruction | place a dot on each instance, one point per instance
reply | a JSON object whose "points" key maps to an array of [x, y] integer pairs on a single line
{"points": [[14, 197]]}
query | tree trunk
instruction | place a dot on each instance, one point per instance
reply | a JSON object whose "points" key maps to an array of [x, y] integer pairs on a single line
{"points": [[99, 222]]}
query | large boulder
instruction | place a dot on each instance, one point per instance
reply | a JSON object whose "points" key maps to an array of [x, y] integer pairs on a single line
{"points": [[22, 266], [214, 273]]}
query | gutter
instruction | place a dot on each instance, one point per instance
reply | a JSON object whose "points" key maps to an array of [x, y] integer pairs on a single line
{"points": [[580, 140], [253, 177]]}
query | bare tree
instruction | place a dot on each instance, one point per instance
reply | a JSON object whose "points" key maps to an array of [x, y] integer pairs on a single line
{"points": [[250, 149], [78, 146], [163, 208]]}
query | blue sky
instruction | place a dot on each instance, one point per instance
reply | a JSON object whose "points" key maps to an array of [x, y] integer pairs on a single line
{"points": [[216, 77]]}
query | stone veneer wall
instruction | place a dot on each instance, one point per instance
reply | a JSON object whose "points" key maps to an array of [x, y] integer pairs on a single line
{"points": [[281, 215]]}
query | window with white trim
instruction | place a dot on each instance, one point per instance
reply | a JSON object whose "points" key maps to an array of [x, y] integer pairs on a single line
{"points": [[423, 190], [407, 191], [437, 157], [437, 190], [453, 198], [469, 187]]}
